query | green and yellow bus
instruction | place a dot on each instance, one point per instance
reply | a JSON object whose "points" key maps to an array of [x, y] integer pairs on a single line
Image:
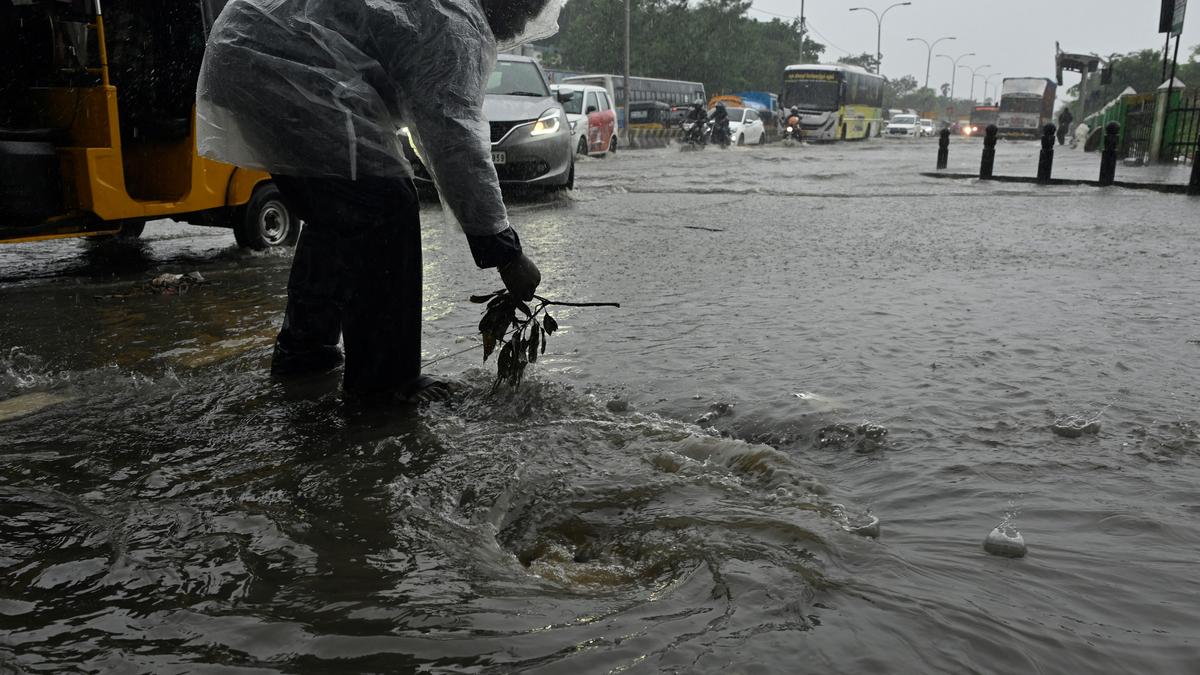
{"points": [[837, 102]]}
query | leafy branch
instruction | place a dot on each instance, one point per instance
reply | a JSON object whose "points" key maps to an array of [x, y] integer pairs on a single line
{"points": [[519, 331]]}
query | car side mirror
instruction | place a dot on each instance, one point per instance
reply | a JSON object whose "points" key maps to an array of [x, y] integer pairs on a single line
{"points": [[564, 96], [591, 109]]}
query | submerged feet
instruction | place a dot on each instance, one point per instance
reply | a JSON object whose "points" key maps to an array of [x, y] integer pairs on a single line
{"points": [[288, 364]]}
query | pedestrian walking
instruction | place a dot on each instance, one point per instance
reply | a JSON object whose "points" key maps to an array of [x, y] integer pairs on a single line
{"points": [[1064, 124], [313, 91]]}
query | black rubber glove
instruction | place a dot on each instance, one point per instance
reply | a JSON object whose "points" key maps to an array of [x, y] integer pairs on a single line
{"points": [[521, 277]]}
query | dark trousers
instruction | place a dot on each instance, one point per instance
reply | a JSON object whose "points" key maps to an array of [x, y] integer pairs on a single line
{"points": [[357, 274]]}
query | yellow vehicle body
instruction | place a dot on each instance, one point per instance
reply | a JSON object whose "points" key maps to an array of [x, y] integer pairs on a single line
{"points": [[112, 180]]}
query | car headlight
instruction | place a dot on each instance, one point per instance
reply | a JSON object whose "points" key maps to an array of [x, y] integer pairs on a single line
{"points": [[789, 130], [548, 123]]}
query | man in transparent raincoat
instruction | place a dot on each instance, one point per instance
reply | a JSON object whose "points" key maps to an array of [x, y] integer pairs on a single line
{"points": [[313, 91]]}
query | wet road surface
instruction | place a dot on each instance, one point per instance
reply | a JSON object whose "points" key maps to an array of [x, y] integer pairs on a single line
{"points": [[807, 336]]}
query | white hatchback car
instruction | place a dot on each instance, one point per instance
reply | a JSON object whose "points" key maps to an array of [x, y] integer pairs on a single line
{"points": [[928, 128], [746, 127], [591, 117]]}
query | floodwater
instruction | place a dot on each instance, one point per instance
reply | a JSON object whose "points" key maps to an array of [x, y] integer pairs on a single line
{"points": [[809, 338]]}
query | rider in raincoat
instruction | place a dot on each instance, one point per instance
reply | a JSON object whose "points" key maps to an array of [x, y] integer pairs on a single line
{"points": [[314, 92]]}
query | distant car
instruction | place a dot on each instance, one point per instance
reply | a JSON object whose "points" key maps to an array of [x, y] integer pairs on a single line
{"points": [[903, 126], [530, 133], [928, 128], [591, 116], [746, 127]]}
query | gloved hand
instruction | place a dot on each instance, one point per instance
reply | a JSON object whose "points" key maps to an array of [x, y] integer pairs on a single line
{"points": [[521, 277]]}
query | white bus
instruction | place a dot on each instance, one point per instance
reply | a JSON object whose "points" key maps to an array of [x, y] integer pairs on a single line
{"points": [[671, 92], [836, 101]]}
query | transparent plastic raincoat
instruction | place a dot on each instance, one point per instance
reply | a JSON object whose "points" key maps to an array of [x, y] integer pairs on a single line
{"points": [[320, 88]]}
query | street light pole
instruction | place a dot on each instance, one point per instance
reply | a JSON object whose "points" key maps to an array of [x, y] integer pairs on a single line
{"points": [[929, 57], [879, 29], [954, 70], [973, 76], [986, 82]]}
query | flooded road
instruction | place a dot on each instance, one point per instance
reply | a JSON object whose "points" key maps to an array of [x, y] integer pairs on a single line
{"points": [[809, 338]]}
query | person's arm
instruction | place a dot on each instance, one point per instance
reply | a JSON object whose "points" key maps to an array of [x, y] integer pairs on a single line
{"points": [[446, 92]]}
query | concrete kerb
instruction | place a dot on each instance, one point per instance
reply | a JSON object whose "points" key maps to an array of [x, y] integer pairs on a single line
{"points": [[1167, 188]]}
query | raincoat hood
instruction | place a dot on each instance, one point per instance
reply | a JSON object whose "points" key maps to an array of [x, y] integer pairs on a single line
{"points": [[543, 25]]}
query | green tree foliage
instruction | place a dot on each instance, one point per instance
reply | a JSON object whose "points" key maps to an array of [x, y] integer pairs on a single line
{"points": [[713, 42], [1141, 70], [864, 60]]}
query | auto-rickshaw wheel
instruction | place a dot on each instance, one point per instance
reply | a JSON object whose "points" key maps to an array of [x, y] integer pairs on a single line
{"points": [[612, 145], [265, 221]]}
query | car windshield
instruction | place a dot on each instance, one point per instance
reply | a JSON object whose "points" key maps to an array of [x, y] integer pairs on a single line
{"points": [[904, 119], [517, 78], [811, 94], [575, 105]]}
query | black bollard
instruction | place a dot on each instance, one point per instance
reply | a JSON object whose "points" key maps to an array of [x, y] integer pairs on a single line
{"points": [[989, 153], [943, 149], [1046, 161], [1194, 184], [1108, 159]]}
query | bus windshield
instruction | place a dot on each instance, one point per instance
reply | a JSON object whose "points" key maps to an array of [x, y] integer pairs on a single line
{"points": [[811, 94]]}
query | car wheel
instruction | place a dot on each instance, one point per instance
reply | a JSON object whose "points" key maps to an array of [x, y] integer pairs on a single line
{"points": [[741, 140], [583, 146], [762, 138], [612, 145], [265, 221]]}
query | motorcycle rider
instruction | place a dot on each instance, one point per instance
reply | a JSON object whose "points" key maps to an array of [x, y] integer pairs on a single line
{"points": [[791, 126], [720, 119], [696, 117]]}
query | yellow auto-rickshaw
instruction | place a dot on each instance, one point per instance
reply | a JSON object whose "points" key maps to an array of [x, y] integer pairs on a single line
{"points": [[97, 126]]}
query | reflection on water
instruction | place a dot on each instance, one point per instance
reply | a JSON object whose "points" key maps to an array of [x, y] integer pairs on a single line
{"points": [[825, 407]]}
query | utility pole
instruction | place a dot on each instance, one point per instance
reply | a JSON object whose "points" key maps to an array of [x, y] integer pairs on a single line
{"points": [[802, 27], [628, 93]]}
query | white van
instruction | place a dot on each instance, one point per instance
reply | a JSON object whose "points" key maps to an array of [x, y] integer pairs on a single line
{"points": [[592, 118]]}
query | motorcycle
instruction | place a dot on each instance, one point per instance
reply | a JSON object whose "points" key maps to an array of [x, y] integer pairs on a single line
{"points": [[792, 133], [719, 133], [695, 135]]}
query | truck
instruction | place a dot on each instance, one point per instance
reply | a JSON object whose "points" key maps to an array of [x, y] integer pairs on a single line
{"points": [[1026, 105]]}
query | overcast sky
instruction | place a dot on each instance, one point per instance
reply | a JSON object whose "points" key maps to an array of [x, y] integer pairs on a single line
{"points": [[1015, 37]]}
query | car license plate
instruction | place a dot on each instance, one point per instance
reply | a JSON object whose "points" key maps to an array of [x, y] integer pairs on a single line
{"points": [[498, 158]]}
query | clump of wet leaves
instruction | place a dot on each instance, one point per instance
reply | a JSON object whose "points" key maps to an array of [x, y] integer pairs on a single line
{"points": [[518, 332]]}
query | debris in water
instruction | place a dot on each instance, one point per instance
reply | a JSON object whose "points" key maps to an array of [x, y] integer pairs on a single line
{"points": [[163, 284], [617, 405], [27, 404], [1005, 541], [719, 409], [864, 525], [869, 527], [1074, 426]]}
